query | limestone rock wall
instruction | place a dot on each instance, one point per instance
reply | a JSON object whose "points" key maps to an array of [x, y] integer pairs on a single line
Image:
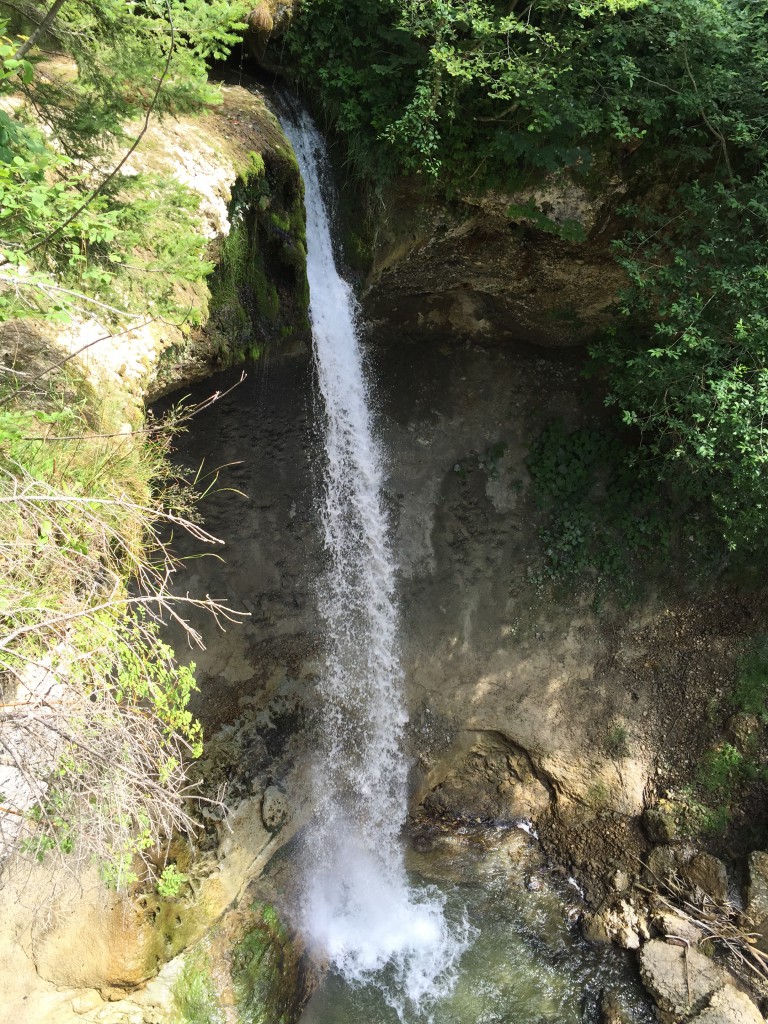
{"points": [[533, 266]]}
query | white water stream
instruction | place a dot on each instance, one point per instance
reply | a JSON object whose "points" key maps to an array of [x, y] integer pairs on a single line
{"points": [[359, 909]]}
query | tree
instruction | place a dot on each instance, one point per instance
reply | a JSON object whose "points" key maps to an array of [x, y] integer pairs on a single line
{"points": [[70, 220]]}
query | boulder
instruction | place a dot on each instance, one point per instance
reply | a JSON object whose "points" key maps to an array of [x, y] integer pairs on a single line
{"points": [[674, 926], [620, 881], [709, 874], [664, 864], [680, 980], [660, 823], [86, 1001], [617, 920], [729, 1006]]}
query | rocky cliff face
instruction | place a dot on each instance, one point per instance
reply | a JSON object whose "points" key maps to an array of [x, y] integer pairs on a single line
{"points": [[237, 160], [532, 266]]}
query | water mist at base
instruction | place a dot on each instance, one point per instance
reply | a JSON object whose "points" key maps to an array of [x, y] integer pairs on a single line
{"points": [[359, 909]]}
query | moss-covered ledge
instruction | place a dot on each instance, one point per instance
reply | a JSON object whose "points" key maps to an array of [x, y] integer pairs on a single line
{"points": [[257, 297]]}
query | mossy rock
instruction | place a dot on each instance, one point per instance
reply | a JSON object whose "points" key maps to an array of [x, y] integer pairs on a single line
{"points": [[259, 291], [195, 995], [270, 973]]}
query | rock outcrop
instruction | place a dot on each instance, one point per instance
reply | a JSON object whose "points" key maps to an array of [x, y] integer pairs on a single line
{"points": [[680, 980], [729, 1006], [499, 267], [756, 910], [618, 920], [708, 874], [488, 779]]}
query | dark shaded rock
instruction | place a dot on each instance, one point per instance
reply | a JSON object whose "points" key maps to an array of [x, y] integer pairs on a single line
{"points": [[664, 864], [659, 824], [480, 268], [492, 781], [755, 915], [709, 874]]}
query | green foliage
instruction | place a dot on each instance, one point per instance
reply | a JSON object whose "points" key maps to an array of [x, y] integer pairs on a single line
{"points": [[472, 91], [601, 513], [79, 514], [73, 240], [699, 390], [723, 769], [121, 51], [171, 882], [724, 782], [695, 816], [259, 288], [483, 94]]}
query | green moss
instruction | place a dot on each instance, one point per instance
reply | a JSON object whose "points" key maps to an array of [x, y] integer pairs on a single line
{"points": [[280, 220], [195, 997], [259, 290], [268, 973], [254, 167]]}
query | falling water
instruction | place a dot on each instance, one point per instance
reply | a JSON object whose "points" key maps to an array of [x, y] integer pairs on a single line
{"points": [[359, 908]]}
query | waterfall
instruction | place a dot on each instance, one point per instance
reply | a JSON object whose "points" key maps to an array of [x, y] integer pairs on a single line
{"points": [[359, 909]]}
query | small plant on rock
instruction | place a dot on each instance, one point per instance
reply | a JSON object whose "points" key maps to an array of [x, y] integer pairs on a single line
{"points": [[617, 742], [170, 882]]}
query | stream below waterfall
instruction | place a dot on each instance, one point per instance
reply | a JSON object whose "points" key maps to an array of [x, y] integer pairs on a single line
{"points": [[528, 963]]}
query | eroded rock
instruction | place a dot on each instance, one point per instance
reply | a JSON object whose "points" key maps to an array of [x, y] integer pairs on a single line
{"points": [[486, 778], [680, 980], [673, 926], [618, 920], [481, 269], [756, 910], [274, 808], [729, 1006]]}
